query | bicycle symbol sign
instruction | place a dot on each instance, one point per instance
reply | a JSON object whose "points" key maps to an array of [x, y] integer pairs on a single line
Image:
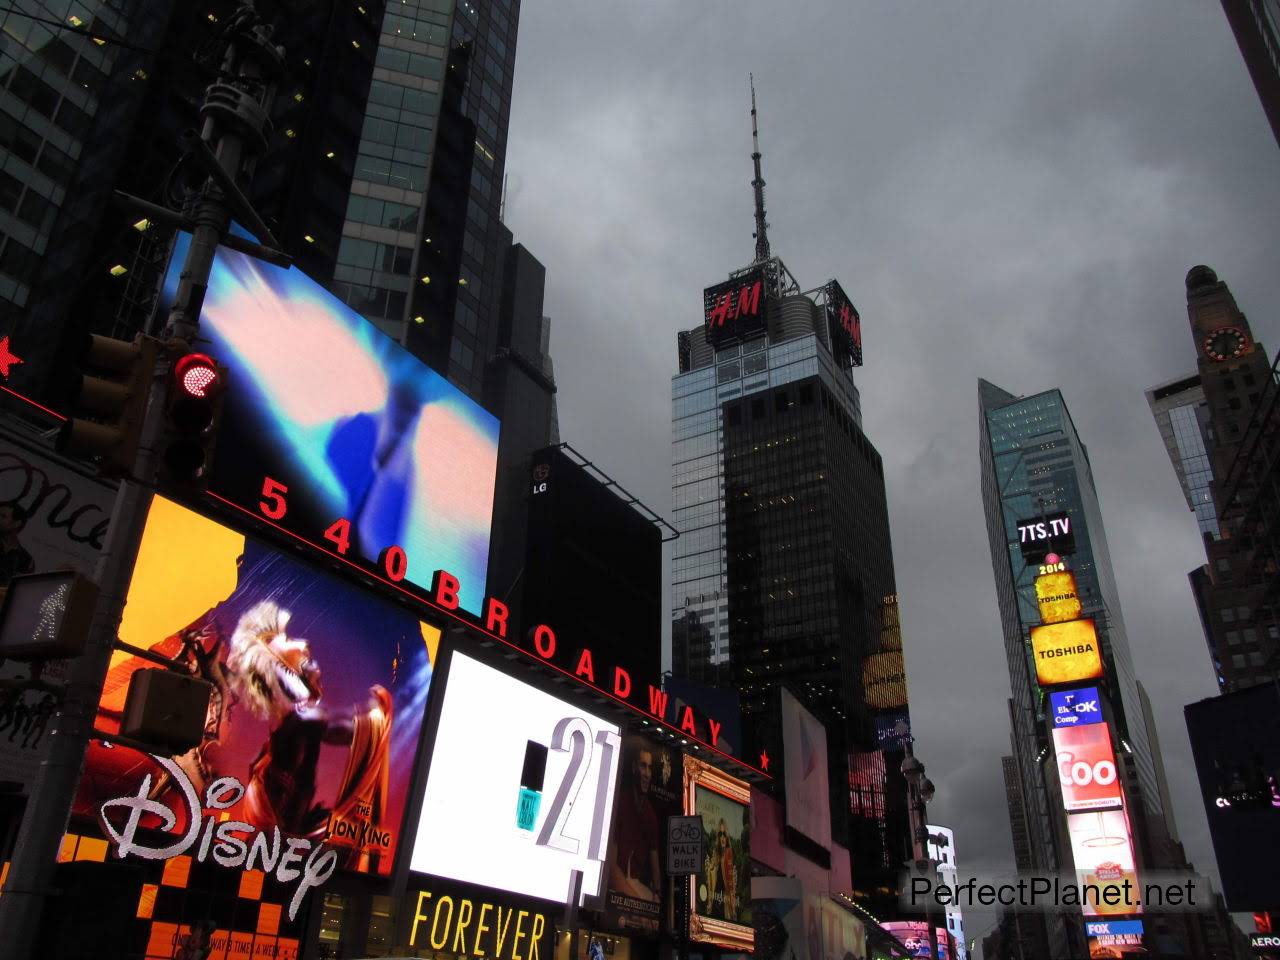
{"points": [[684, 845]]}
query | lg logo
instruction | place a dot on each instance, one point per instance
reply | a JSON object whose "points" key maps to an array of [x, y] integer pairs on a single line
{"points": [[1080, 773]]}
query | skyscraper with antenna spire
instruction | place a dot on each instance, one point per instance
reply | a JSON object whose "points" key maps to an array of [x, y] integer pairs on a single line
{"points": [[783, 573]]}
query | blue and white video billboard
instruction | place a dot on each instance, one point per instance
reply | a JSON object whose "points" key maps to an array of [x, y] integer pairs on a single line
{"points": [[335, 433]]}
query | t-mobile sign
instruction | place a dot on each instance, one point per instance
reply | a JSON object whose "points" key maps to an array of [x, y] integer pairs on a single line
{"points": [[1052, 533]]}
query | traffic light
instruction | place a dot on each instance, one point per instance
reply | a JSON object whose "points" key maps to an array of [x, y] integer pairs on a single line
{"points": [[110, 401], [191, 419]]}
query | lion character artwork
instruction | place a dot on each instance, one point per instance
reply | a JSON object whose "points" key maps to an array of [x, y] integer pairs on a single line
{"points": [[275, 677]]}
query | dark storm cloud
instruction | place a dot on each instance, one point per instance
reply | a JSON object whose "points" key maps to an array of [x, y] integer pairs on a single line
{"points": [[1008, 191]]}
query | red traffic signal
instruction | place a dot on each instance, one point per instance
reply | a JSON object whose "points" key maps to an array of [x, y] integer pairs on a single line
{"points": [[197, 375], [191, 420]]}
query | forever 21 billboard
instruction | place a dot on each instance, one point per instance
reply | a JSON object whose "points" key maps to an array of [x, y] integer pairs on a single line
{"points": [[334, 433]]}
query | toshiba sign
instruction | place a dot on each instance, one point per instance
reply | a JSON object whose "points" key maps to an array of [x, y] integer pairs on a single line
{"points": [[1066, 652]]}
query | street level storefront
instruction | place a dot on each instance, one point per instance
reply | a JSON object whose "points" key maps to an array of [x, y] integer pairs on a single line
{"points": [[438, 918]]}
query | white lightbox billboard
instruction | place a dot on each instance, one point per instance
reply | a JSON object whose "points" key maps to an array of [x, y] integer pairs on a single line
{"points": [[520, 789]]}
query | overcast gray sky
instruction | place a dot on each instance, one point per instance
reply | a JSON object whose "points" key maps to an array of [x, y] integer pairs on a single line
{"points": [[1006, 190]]}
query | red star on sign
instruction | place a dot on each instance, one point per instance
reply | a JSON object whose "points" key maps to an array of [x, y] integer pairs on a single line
{"points": [[7, 357], [764, 760]]}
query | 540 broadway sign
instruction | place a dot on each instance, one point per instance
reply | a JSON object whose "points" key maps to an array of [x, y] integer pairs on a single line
{"points": [[229, 843]]}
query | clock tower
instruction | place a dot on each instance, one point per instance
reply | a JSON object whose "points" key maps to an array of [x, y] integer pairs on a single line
{"points": [[1233, 367], [1234, 591]]}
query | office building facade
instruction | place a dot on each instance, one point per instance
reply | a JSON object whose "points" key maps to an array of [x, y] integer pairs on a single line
{"points": [[381, 176]]}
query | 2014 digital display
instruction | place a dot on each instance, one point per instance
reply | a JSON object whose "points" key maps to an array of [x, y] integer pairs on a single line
{"points": [[335, 433]]}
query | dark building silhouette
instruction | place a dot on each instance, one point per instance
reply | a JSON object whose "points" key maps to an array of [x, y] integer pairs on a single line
{"points": [[1230, 450], [1256, 25], [1235, 741], [382, 175], [592, 567]]}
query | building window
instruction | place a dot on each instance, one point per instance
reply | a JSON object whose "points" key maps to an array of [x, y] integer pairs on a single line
{"points": [[1233, 638], [1237, 661], [1228, 615]]}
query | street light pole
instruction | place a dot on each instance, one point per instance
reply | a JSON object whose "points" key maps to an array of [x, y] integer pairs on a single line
{"points": [[919, 792], [235, 115]]}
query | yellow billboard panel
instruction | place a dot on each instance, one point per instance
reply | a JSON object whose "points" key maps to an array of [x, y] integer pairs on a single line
{"points": [[1066, 652], [884, 680], [1057, 597]]}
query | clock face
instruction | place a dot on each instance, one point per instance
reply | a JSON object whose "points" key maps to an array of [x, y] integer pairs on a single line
{"points": [[1225, 343]]}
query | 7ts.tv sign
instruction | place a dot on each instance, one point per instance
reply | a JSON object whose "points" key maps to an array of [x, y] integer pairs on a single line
{"points": [[1053, 533], [1087, 768]]}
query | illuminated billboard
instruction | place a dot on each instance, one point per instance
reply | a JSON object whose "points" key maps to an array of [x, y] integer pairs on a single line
{"points": [[721, 893], [1087, 767], [334, 432], [792, 924], [459, 921], [1076, 708], [1057, 597], [312, 729], [1040, 536], [1113, 939], [884, 680], [808, 799], [520, 790], [844, 325], [650, 784], [736, 308], [914, 935], [1102, 848], [1066, 652]]}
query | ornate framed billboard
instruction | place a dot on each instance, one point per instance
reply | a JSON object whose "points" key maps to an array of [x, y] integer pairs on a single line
{"points": [[720, 907]]}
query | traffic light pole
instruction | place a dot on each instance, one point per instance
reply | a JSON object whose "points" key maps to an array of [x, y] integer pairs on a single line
{"points": [[235, 123]]}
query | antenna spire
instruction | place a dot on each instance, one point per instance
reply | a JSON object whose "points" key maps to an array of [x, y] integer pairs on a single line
{"points": [[762, 238]]}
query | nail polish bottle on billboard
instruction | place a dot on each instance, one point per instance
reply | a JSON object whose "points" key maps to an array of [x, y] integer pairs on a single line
{"points": [[535, 768]]}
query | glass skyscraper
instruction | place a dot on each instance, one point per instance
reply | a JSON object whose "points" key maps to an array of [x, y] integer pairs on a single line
{"points": [[1182, 415], [783, 571], [1033, 463], [699, 568]]}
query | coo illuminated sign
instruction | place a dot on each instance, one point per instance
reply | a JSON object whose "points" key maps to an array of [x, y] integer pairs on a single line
{"points": [[1087, 767]]}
